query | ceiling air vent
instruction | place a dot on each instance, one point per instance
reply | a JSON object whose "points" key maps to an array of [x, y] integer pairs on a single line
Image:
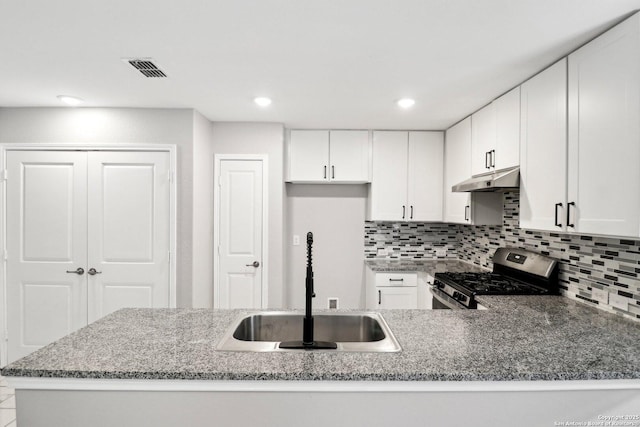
{"points": [[146, 68]]}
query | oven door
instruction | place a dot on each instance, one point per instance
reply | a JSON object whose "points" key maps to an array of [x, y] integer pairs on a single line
{"points": [[442, 301]]}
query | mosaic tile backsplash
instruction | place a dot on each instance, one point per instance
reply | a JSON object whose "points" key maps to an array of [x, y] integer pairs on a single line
{"points": [[592, 269]]}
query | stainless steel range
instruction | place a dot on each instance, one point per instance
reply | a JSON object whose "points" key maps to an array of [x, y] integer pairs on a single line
{"points": [[515, 272]]}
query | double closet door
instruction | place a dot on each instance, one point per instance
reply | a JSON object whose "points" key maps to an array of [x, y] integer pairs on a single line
{"points": [[87, 233]]}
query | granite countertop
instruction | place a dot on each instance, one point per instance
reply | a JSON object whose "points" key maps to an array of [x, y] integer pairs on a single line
{"points": [[430, 266], [517, 338]]}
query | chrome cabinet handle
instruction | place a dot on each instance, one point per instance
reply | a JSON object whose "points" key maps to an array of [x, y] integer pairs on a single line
{"points": [[255, 264], [92, 271], [466, 211], [325, 172], [79, 271], [411, 216], [493, 158], [396, 280], [333, 172], [486, 159], [379, 297], [403, 211]]}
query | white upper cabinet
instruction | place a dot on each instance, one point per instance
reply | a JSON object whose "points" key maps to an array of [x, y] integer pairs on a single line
{"points": [[349, 155], [388, 192], [507, 112], [495, 134], [407, 176], [604, 133], [424, 182], [457, 168], [483, 139], [322, 156], [309, 155], [465, 208], [543, 150]]}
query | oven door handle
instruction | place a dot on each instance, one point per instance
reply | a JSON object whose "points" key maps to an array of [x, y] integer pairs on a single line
{"points": [[446, 300]]}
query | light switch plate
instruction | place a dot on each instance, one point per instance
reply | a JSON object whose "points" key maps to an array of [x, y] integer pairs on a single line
{"points": [[600, 295], [618, 301], [296, 240]]}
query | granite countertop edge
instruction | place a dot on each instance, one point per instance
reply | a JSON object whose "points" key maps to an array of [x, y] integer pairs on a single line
{"points": [[519, 338]]}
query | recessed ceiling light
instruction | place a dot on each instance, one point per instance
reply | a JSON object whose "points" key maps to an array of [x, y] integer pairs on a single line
{"points": [[406, 103], [262, 101], [71, 101]]}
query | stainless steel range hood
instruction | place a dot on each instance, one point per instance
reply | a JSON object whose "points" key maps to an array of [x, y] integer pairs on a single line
{"points": [[503, 180]]}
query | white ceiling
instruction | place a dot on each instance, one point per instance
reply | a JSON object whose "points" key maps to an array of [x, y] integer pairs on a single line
{"points": [[325, 64]]}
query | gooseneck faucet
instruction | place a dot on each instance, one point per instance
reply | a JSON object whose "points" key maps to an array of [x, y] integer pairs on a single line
{"points": [[308, 342], [307, 325]]}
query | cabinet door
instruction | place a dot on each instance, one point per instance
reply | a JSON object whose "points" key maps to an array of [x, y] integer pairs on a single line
{"points": [[483, 139], [543, 160], [349, 156], [309, 156], [604, 133], [507, 146], [424, 187], [401, 297], [457, 168], [388, 198]]}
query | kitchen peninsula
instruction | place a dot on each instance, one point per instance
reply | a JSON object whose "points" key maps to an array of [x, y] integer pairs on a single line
{"points": [[523, 353]]}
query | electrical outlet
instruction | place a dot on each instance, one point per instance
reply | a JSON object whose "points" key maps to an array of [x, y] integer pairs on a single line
{"points": [[600, 295], [296, 240], [332, 303], [441, 252], [618, 301]]}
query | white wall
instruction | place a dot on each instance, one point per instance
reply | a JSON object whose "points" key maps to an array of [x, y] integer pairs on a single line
{"points": [[335, 214], [202, 212], [248, 138], [119, 125]]}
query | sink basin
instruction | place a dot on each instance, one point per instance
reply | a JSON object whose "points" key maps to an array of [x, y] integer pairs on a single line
{"points": [[364, 332]]}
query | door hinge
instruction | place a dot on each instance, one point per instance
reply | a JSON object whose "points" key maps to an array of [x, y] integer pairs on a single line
{"points": [[5, 254], [220, 181], [3, 175], [169, 258], [219, 253], [170, 176]]}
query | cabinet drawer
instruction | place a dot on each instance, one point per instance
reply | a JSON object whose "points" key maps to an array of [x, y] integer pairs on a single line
{"points": [[396, 279]]}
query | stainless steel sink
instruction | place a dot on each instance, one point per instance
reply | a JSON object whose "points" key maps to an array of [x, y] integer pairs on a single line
{"points": [[364, 332]]}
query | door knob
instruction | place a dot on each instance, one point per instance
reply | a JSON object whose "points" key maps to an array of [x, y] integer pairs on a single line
{"points": [[254, 264], [92, 271], [79, 271]]}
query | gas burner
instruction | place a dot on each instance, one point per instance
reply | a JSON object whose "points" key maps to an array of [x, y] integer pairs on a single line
{"points": [[515, 272]]}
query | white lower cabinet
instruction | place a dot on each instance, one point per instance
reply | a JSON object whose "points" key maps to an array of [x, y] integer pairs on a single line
{"points": [[392, 290]]}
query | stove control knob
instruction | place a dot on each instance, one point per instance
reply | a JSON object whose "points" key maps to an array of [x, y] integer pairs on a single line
{"points": [[456, 295], [439, 285]]}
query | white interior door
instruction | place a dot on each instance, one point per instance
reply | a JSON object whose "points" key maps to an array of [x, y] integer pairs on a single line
{"points": [[46, 243], [240, 201], [128, 231]]}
